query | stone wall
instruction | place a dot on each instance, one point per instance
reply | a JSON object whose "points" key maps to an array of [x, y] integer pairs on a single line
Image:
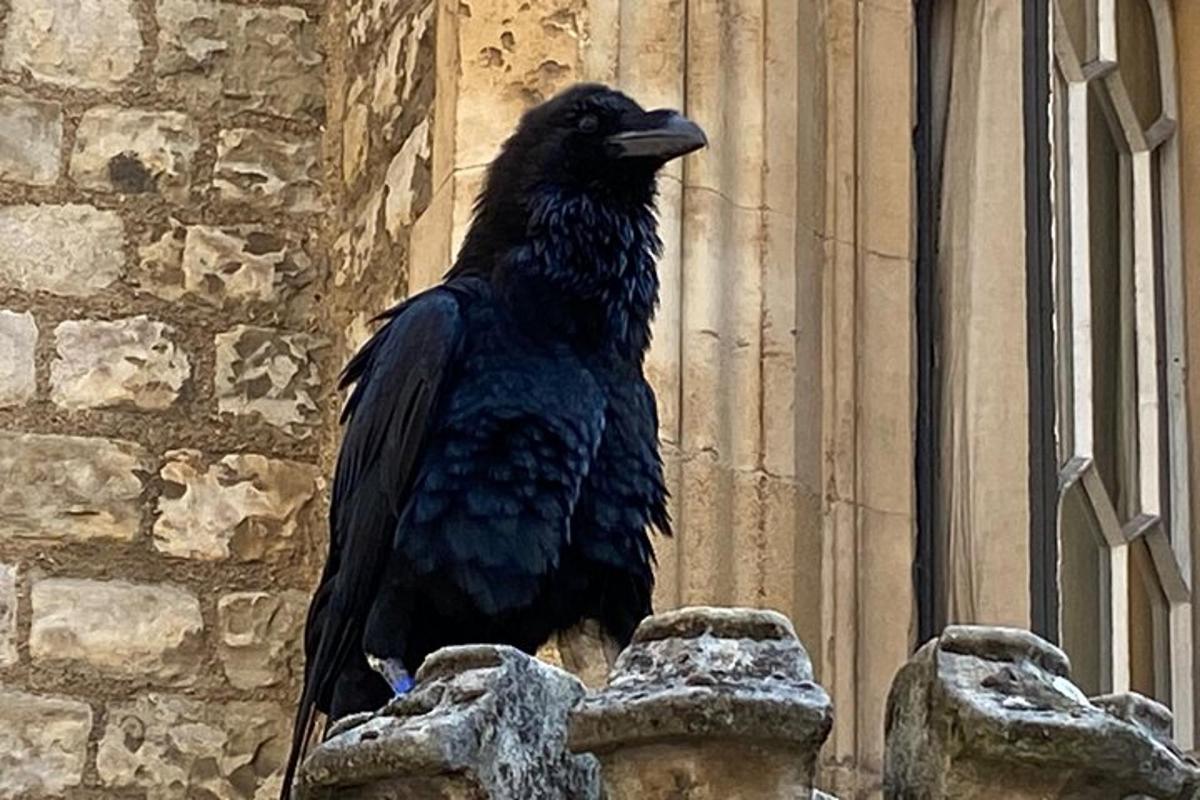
{"points": [[163, 378]]}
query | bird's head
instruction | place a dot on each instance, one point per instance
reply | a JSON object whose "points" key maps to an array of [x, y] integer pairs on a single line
{"points": [[593, 138], [586, 140]]}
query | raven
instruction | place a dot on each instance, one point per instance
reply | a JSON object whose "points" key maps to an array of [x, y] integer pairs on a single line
{"points": [[499, 472]]}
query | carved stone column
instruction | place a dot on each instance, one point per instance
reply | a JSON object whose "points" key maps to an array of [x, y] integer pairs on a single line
{"points": [[484, 723], [707, 702], [991, 712]]}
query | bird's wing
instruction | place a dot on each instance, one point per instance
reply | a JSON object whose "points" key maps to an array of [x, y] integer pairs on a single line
{"points": [[399, 375]]}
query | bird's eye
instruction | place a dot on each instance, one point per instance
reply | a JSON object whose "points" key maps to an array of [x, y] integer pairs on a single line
{"points": [[588, 123]]}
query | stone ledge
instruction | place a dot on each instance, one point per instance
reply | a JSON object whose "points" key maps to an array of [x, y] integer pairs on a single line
{"points": [[484, 721], [988, 711], [708, 673]]}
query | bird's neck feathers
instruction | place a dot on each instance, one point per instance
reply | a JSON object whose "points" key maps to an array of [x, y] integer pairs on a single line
{"points": [[585, 268]]}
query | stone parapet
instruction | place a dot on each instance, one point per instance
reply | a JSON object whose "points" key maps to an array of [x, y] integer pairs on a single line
{"points": [[484, 722], [987, 712], [707, 702]]}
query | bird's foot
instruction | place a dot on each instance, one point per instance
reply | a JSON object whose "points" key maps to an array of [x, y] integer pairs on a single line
{"points": [[394, 673]]}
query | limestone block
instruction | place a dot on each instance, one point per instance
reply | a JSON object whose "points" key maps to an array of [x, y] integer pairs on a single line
{"points": [[8, 615], [991, 712], [399, 180], [18, 338], [43, 743], [707, 702], [268, 373], [243, 506], [135, 630], [70, 487], [240, 57], [84, 44], [483, 722], [407, 56], [132, 362], [135, 151], [30, 140], [268, 170], [71, 250], [174, 748], [238, 263], [260, 633]]}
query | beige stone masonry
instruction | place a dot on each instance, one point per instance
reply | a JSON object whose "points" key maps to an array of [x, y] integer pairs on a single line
{"points": [[716, 699], [991, 712]]}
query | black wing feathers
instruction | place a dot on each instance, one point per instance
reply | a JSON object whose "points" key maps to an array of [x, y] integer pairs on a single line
{"points": [[398, 377]]}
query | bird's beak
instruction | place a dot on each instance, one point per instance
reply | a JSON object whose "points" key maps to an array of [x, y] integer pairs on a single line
{"points": [[660, 135]]}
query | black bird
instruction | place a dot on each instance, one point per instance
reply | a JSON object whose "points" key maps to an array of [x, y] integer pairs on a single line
{"points": [[499, 473]]}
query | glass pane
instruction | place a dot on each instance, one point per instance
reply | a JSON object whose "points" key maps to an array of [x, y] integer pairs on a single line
{"points": [[1137, 53], [1112, 395], [1083, 576], [1064, 367], [1080, 19], [1148, 627], [1160, 321]]}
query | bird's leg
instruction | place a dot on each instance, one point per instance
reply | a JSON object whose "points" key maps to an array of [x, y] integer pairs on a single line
{"points": [[393, 672]]}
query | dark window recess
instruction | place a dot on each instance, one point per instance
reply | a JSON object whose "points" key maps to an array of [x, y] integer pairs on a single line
{"points": [[1039, 265], [930, 614]]}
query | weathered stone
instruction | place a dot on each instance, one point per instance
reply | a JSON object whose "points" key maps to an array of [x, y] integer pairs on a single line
{"points": [[18, 338], [399, 180], [245, 58], [136, 630], [228, 264], [125, 362], [268, 373], [30, 140], [483, 722], [243, 263], [268, 170], [8, 615], [86, 44], [77, 487], [43, 743], [69, 250], [244, 506], [396, 68], [174, 748], [357, 245], [260, 637], [719, 698], [991, 712], [134, 151]]}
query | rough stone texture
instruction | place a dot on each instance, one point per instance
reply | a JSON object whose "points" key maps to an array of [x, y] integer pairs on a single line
{"points": [[242, 57], [991, 712], [43, 743], [268, 373], [722, 699], [134, 151], [243, 506], [400, 179], [18, 338], [174, 748], [240, 263], [30, 140], [260, 637], [87, 44], [136, 630], [72, 487], [126, 362], [68, 250], [483, 722], [268, 170], [8, 615]]}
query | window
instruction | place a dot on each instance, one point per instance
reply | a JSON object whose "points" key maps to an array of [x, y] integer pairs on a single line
{"points": [[1124, 533]]}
